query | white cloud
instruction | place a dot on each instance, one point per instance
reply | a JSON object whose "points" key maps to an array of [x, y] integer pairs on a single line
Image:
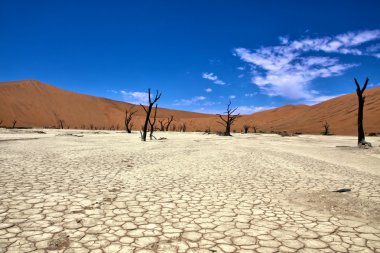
{"points": [[288, 69], [208, 90], [232, 97], [240, 68], [191, 101], [213, 77], [135, 97], [252, 109], [320, 99], [250, 94]]}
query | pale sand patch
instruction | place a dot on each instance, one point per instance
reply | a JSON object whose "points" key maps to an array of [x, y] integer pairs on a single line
{"points": [[189, 193]]}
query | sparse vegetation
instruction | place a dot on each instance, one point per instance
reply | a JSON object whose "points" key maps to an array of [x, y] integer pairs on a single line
{"points": [[128, 119], [148, 110], [60, 123], [361, 100], [228, 122], [326, 127], [246, 128], [170, 120], [14, 123]]}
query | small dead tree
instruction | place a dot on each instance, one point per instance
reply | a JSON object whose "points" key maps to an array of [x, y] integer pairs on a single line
{"points": [[61, 122], [326, 131], [14, 123], [162, 125], [152, 124], [361, 100], [170, 119], [128, 119], [246, 128], [148, 110], [254, 128], [227, 123]]}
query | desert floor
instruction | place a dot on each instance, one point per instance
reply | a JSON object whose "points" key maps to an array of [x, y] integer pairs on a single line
{"points": [[88, 191]]}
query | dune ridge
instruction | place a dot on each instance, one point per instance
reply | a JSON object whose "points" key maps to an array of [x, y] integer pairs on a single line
{"points": [[35, 104]]}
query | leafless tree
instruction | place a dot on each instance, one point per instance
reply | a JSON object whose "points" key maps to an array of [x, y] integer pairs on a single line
{"points": [[361, 99], [170, 119], [227, 123], [61, 122], [91, 126], [128, 119], [162, 125], [14, 123], [246, 128], [326, 131], [152, 124], [148, 110], [254, 128]]}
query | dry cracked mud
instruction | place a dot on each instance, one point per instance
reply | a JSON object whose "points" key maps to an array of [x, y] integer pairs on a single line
{"points": [[110, 192]]}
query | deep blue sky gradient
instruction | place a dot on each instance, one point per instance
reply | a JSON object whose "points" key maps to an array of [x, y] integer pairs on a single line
{"points": [[104, 47]]}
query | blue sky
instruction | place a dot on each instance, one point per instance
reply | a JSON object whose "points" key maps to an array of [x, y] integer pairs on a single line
{"points": [[200, 54]]}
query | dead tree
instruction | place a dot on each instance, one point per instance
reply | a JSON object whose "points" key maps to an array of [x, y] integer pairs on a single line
{"points": [[61, 122], [246, 128], [254, 128], [227, 123], [14, 123], [152, 124], [326, 131], [170, 119], [361, 99], [162, 125], [128, 120], [148, 110]]}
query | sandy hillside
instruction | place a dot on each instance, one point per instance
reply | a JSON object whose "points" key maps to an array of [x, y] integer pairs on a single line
{"points": [[77, 191], [34, 104]]}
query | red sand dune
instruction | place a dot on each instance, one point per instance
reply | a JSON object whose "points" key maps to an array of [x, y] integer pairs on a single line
{"points": [[34, 104]]}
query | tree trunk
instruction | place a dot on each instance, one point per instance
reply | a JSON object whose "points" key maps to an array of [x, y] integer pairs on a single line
{"points": [[361, 135]]}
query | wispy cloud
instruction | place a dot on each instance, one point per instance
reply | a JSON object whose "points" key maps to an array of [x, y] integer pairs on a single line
{"points": [[252, 109], [288, 69], [250, 94], [135, 97], [232, 96], [191, 101], [208, 90], [212, 77], [320, 99]]}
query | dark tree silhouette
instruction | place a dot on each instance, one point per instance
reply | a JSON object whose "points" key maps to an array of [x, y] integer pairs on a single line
{"points": [[14, 123], [326, 131], [152, 124], [361, 99], [61, 122], [227, 123], [170, 119], [254, 128], [246, 128], [162, 125], [148, 110], [128, 119]]}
